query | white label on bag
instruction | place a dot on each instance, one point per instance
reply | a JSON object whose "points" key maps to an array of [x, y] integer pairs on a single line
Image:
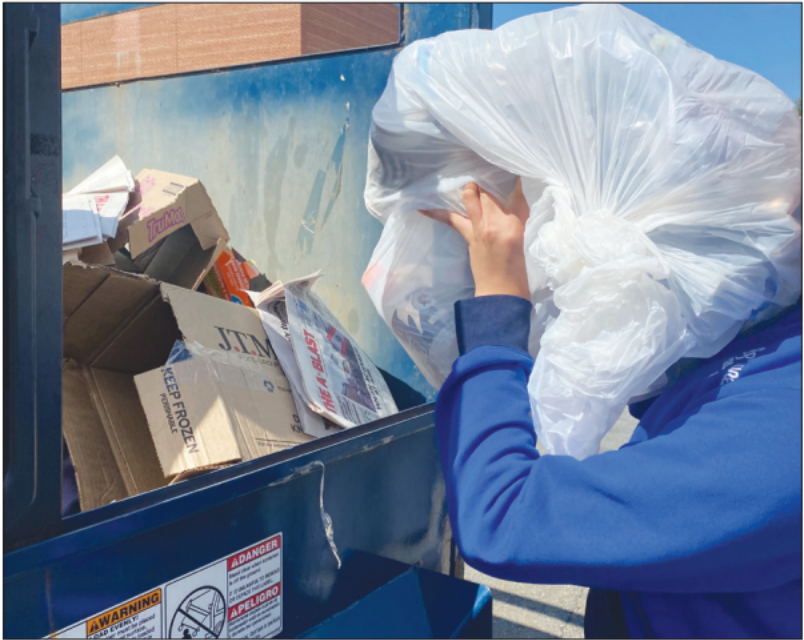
{"points": [[238, 596]]}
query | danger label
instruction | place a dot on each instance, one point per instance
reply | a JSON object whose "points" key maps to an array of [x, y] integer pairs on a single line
{"points": [[254, 601], [255, 590], [255, 552], [237, 596]]}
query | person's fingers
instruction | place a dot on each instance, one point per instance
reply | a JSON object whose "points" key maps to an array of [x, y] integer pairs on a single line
{"points": [[488, 200], [460, 223], [519, 206], [471, 200]]}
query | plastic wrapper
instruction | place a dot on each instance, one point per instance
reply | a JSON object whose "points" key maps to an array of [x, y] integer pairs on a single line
{"points": [[664, 192], [208, 407]]}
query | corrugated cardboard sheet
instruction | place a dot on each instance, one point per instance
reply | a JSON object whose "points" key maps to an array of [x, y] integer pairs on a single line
{"points": [[117, 325], [215, 407]]}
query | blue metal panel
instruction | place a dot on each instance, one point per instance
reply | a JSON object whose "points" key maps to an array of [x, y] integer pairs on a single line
{"points": [[382, 489], [32, 270], [76, 12], [412, 603], [282, 151], [428, 20]]}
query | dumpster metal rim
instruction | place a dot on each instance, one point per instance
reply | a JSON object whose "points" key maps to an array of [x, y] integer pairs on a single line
{"points": [[119, 520]]}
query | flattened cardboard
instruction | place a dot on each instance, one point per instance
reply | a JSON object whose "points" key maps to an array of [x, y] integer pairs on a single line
{"points": [[97, 254], [118, 325], [187, 417], [111, 177], [97, 474], [125, 424], [213, 409], [222, 325], [81, 225]]}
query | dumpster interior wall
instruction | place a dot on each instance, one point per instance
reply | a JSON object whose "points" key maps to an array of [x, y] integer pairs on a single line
{"points": [[282, 152]]}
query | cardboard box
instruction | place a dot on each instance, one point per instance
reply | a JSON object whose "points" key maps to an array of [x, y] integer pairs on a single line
{"points": [[172, 230], [217, 407], [116, 326]]}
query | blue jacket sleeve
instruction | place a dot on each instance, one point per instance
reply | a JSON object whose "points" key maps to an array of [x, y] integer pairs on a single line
{"points": [[704, 508]]}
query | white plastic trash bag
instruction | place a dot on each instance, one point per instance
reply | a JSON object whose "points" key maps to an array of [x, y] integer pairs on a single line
{"points": [[664, 187]]}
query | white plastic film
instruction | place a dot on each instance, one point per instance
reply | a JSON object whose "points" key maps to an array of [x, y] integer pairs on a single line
{"points": [[664, 185]]}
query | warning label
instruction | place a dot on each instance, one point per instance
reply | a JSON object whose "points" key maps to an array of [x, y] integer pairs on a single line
{"points": [[255, 590], [238, 596]]}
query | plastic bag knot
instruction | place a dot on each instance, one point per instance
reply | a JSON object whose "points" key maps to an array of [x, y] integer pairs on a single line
{"points": [[571, 243]]}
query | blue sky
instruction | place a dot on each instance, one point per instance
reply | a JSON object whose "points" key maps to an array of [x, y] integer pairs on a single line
{"points": [[765, 38]]}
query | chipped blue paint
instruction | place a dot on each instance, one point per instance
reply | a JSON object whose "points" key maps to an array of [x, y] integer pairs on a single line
{"points": [[282, 151]]}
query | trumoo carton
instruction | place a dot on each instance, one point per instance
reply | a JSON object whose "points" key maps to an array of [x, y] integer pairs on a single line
{"points": [[171, 228]]}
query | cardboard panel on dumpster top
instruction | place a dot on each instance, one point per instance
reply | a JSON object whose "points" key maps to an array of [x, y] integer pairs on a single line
{"points": [[113, 302], [216, 323], [98, 477], [144, 342], [191, 428], [127, 430], [78, 284]]}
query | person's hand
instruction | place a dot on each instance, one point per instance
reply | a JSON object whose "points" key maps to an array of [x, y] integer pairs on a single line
{"points": [[496, 238]]}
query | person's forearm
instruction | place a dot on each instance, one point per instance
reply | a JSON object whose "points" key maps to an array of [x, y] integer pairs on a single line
{"points": [[485, 433], [487, 446]]}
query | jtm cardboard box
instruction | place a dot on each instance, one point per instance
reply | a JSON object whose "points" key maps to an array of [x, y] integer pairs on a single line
{"points": [[118, 325], [218, 406]]}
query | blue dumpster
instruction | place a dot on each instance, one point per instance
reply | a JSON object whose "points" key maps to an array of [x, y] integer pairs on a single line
{"points": [[333, 529], [412, 603]]}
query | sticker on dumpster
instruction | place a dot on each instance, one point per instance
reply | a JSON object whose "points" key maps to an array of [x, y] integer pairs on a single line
{"points": [[140, 617], [238, 596]]}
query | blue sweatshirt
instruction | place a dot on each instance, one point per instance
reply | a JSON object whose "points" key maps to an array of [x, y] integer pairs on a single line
{"points": [[692, 529]]}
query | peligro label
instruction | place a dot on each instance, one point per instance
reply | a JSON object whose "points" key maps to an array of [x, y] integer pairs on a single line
{"points": [[238, 596]]}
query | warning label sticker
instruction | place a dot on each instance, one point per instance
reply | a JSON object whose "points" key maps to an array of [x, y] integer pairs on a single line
{"points": [[238, 596], [255, 590]]}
